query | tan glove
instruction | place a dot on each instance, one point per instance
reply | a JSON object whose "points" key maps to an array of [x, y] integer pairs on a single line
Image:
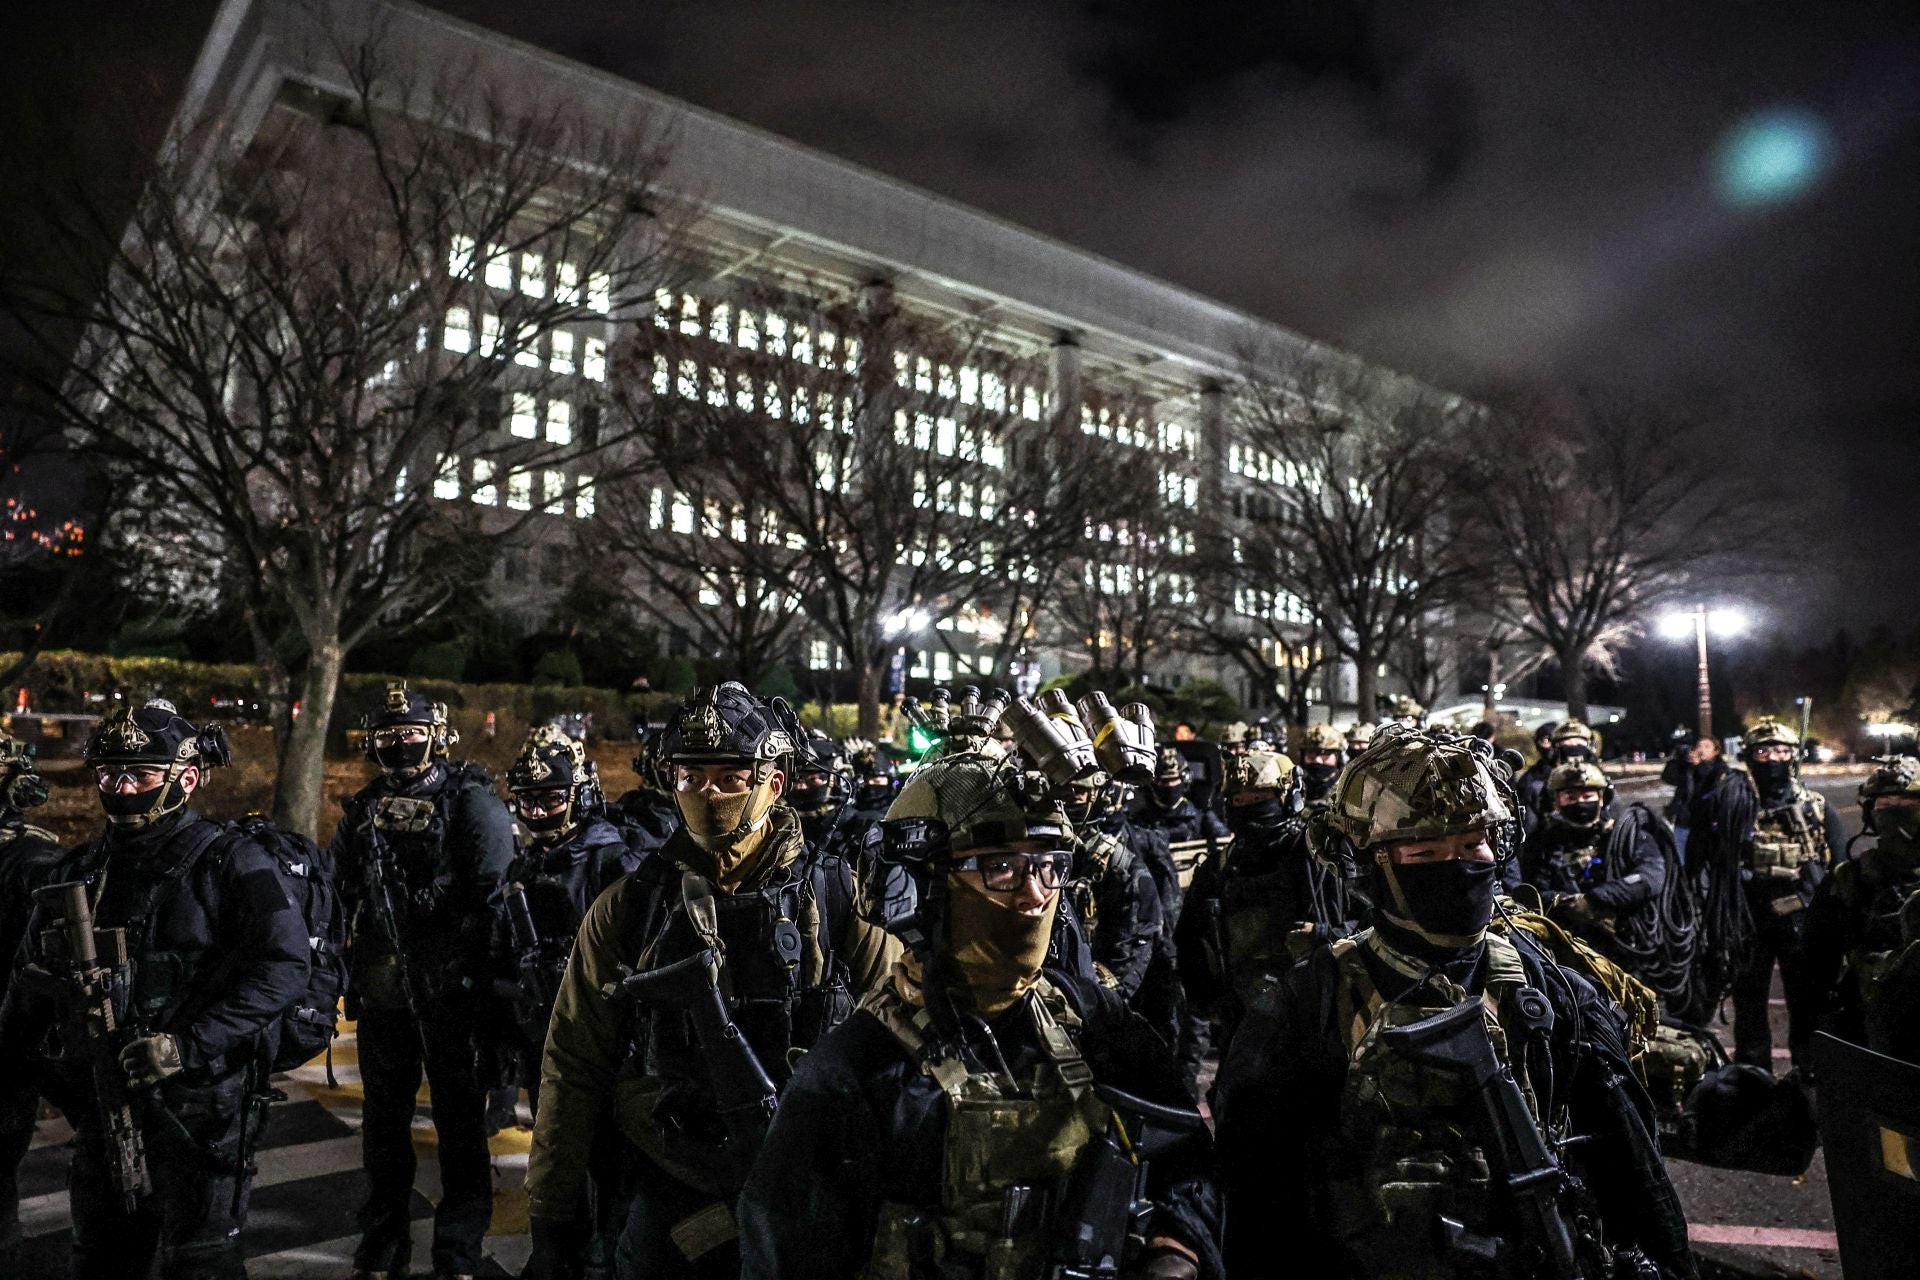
{"points": [[151, 1059]]}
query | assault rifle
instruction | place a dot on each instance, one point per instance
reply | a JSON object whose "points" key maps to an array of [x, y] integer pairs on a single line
{"points": [[534, 987], [86, 998], [744, 1094], [1105, 1208], [1522, 1163], [378, 871]]}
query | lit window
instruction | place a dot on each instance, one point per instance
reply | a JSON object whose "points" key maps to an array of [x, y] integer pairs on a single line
{"points": [[662, 375], [525, 421], [947, 441], [656, 509], [993, 393], [555, 490], [566, 284], [689, 315], [943, 496], [919, 487], [742, 391], [600, 292], [989, 502], [802, 413], [966, 499], [499, 267], [719, 323], [559, 422], [772, 403], [459, 334], [583, 501], [593, 360], [942, 665], [533, 275], [923, 375], [520, 490], [776, 335], [446, 480], [662, 309], [948, 387], [484, 491], [969, 385], [682, 514], [825, 473], [717, 387], [829, 343], [993, 453], [902, 369], [689, 380], [922, 431], [850, 358], [819, 655], [526, 348], [460, 257], [1030, 402], [802, 344], [489, 335], [747, 334], [561, 360]]}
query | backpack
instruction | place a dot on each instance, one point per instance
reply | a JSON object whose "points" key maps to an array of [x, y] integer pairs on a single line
{"points": [[307, 873]]}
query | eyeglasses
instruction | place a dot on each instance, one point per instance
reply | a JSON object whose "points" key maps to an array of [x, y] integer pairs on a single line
{"points": [[1005, 872], [398, 734], [541, 801], [142, 777]]}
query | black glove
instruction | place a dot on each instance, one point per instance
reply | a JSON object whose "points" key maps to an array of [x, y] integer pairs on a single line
{"points": [[559, 1248]]}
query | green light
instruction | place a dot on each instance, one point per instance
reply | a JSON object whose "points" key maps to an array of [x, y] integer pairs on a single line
{"points": [[1771, 156], [919, 741]]}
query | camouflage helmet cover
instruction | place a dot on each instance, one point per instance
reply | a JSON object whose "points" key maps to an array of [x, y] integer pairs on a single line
{"points": [[1577, 775], [1893, 776], [1573, 731], [982, 803], [1768, 731], [1169, 766], [1416, 786], [1323, 737], [1359, 735], [1258, 770]]}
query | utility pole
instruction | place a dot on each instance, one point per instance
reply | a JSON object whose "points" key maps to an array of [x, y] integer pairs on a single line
{"points": [[1706, 687]]}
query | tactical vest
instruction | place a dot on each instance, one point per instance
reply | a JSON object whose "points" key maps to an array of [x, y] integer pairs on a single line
{"points": [[1409, 1147], [1010, 1146], [1265, 928], [1887, 889], [1790, 837]]}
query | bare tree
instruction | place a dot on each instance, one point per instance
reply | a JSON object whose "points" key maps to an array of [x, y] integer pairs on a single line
{"points": [[36, 549], [1596, 510], [360, 346], [1354, 516], [872, 463]]}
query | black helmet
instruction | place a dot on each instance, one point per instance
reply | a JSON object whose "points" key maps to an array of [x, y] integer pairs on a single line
{"points": [[404, 706], [549, 760], [724, 724], [154, 736]]}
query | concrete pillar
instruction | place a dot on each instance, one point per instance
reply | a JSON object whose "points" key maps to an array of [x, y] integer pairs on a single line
{"points": [[1066, 383], [1212, 457]]}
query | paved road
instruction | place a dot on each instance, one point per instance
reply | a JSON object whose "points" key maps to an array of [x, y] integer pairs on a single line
{"points": [[302, 1224]]}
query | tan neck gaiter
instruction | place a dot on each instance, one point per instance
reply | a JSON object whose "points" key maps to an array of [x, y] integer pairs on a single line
{"points": [[997, 952]]}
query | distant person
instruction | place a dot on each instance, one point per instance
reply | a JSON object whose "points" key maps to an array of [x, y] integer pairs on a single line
{"points": [[1695, 774]]}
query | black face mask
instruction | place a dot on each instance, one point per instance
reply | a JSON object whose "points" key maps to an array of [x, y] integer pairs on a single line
{"points": [[403, 757], [1317, 779], [1772, 776], [1261, 813], [1167, 797], [1584, 814], [809, 800], [1451, 898], [542, 824]]}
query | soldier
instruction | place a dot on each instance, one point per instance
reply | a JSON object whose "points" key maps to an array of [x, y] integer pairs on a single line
{"points": [[1428, 1100], [1112, 888], [1533, 780], [643, 1037], [872, 781], [1854, 927], [952, 1125], [1603, 879], [168, 1109], [423, 852], [1320, 760], [1195, 837], [1359, 737], [645, 815], [1793, 842], [27, 855], [1262, 906], [822, 795], [1156, 994], [571, 855]]}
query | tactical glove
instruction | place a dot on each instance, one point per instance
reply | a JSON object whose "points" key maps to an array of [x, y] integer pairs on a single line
{"points": [[151, 1059]]}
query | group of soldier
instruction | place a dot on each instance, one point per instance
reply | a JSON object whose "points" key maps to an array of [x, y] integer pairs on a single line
{"points": [[778, 1013]]}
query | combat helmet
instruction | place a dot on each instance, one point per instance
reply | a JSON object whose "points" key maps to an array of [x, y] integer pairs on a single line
{"points": [[1579, 775], [1417, 785], [981, 803], [822, 755], [723, 724], [550, 760], [154, 736], [1359, 736], [1768, 731], [1571, 735], [1893, 776], [1259, 769], [1323, 737], [404, 706], [21, 786]]}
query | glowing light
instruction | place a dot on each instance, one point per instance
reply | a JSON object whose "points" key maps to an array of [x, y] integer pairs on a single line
{"points": [[1771, 156], [1675, 626], [1726, 622]]}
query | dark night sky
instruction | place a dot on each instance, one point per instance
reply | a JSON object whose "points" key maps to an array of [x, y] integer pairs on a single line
{"points": [[1479, 193]]}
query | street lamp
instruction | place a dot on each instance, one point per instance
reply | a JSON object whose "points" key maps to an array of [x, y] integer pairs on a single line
{"points": [[1699, 620]]}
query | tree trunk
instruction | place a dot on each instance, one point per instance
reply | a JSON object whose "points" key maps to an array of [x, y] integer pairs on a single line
{"points": [[1574, 672], [1490, 704], [300, 787], [1366, 685], [868, 697]]}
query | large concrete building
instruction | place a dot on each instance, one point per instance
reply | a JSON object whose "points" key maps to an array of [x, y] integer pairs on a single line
{"points": [[772, 210]]}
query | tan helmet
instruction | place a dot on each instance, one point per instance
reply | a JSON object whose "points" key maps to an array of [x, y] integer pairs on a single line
{"points": [[1768, 731], [1577, 775], [1572, 731], [1322, 737], [1260, 769], [1893, 776], [1359, 736], [973, 796], [1415, 785]]}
